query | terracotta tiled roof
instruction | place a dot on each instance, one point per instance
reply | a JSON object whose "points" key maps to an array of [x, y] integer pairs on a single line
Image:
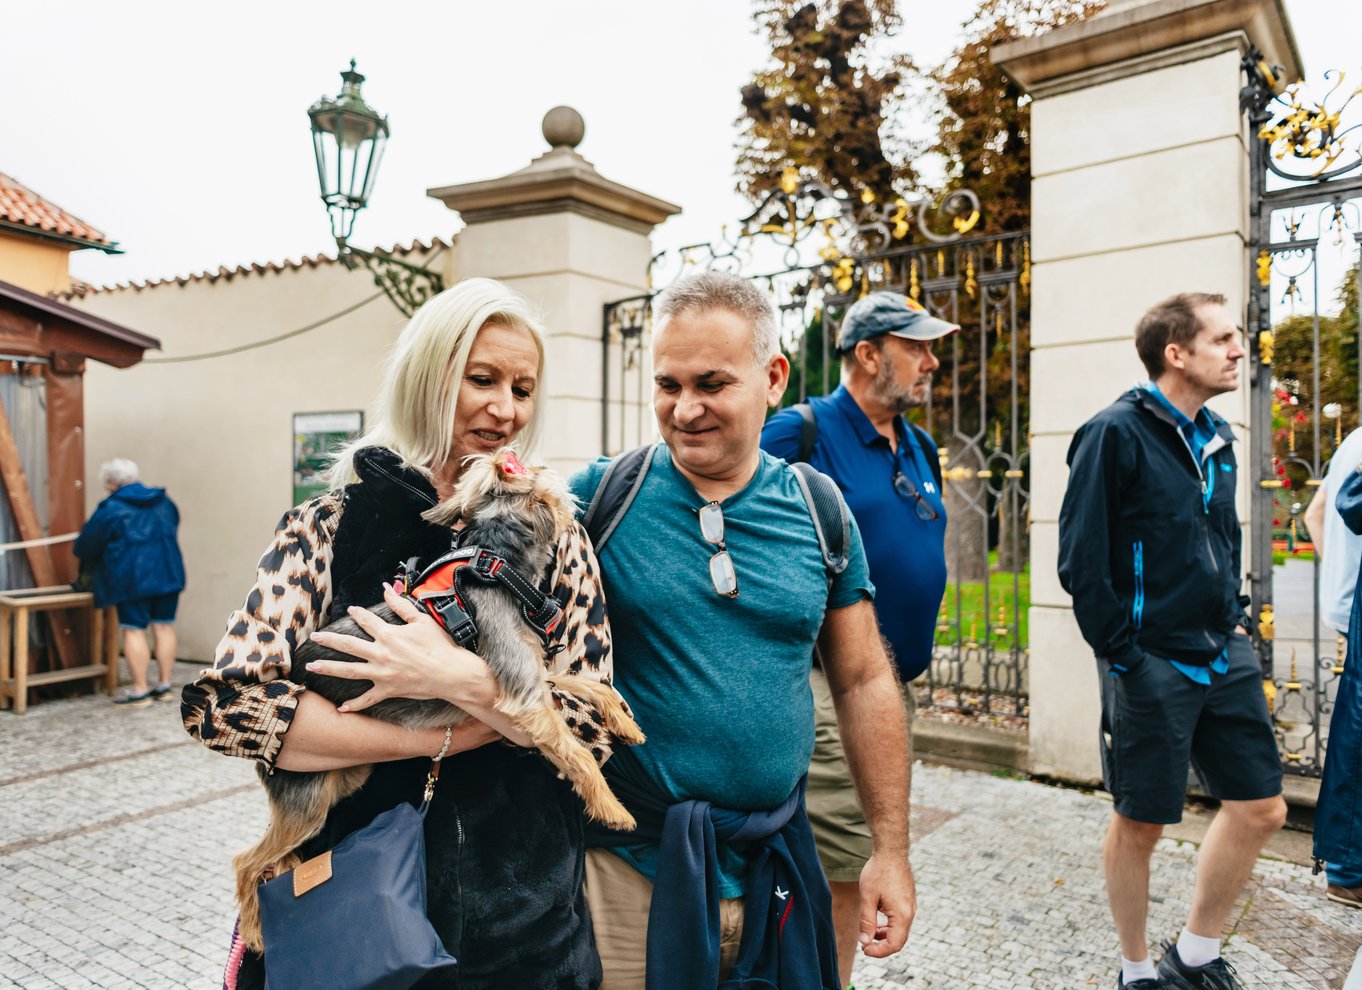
{"points": [[79, 288], [21, 207]]}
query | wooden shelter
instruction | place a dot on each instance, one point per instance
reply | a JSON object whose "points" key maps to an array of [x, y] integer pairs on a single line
{"points": [[44, 346]]}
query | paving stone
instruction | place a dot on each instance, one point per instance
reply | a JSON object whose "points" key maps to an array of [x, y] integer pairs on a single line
{"points": [[117, 832], [1011, 889]]}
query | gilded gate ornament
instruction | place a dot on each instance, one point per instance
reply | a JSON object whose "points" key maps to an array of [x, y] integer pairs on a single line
{"points": [[1313, 135], [837, 246], [1265, 345]]}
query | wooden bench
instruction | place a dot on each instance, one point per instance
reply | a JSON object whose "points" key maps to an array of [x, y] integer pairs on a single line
{"points": [[15, 608]]}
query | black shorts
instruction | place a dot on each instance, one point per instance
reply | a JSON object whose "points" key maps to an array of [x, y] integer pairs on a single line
{"points": [[140, 612], [1156, 722]]}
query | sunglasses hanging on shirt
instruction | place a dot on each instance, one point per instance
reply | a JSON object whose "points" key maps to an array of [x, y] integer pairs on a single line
{"points": [[907, 489], [721, 570]]}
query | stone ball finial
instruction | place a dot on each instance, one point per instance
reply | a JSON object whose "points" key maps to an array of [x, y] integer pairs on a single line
{"points": [[563, 126]]}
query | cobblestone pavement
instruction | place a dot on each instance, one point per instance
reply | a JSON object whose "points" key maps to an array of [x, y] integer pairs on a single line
{"points": [[116, 833]]}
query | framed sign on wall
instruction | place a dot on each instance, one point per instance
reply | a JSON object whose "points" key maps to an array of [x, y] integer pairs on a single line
{"points": [[316, 436]]}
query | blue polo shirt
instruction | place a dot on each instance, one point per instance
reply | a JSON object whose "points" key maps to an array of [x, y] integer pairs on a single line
{"points": [[906, 554], [1197, 433]]}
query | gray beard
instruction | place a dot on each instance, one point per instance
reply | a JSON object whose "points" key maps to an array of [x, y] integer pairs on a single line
{"points": [[889, 394]]}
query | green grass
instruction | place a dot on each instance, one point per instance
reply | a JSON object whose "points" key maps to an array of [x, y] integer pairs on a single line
{"points": [[1280, 557], [975, 625]]}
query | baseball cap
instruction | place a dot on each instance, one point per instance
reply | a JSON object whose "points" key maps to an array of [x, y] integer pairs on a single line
{"points": [[885, 312]]}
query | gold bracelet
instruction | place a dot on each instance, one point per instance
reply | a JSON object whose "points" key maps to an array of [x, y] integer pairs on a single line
{"points": [[434, 773], [449, 733]]}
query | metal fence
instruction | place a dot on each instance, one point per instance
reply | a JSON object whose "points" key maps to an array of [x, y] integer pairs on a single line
{"points": [[977, 412], [1306, 180]]}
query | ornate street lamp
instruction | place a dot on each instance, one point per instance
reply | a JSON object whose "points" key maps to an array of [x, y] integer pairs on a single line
{"points": [[348, 137]]}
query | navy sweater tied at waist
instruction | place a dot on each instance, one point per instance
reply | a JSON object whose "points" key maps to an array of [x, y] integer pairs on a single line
{"points": [[787, 940]]}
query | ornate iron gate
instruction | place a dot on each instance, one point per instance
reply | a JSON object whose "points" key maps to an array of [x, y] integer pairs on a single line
{"points": [[1306, 179], [978, 412]]}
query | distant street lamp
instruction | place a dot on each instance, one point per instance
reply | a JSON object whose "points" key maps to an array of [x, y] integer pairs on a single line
{"points": [[348, 137]]}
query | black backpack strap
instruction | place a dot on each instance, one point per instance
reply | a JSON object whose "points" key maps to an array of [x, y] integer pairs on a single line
{"points": [[615, 493], [808, 431], [831, 517], [926, 443]]}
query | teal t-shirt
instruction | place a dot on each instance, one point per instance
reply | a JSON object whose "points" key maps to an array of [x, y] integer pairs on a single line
{"points": [[719, 685]]}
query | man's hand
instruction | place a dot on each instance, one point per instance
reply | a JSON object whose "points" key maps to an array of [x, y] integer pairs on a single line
{"points": [[887, 889], [878, 749]]}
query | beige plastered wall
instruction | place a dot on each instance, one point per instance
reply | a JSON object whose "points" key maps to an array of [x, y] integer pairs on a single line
{"points": [[569, 265], [33, 264], [1140, 191], [217, 433]]}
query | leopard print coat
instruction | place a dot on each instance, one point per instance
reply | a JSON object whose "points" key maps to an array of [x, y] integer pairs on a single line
{"points": [[243, 704]]}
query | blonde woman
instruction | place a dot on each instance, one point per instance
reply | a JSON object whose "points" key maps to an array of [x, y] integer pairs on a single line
{"points": [[504, 834]]}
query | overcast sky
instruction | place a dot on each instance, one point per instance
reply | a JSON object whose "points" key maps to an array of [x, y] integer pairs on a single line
{"points": [[180, 129]]}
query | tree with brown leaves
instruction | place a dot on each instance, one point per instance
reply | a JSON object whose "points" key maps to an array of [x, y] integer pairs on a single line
{"points": [[822, 104], [983, 117]]}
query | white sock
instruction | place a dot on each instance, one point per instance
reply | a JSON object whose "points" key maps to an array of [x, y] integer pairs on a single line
{"points": [[1197, 950], [1142, 970]]}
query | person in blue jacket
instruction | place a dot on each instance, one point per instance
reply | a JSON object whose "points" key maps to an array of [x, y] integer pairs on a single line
{"points": [[887, 470], [129, 544], [1149, 548], [1338, 814]]}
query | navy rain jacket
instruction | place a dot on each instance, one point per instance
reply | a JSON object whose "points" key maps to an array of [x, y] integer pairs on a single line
{"points": [[1149, 541], [130, 542]]}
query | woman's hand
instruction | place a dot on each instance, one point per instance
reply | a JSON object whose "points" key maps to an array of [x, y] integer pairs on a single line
{"points": [[415, 659]]}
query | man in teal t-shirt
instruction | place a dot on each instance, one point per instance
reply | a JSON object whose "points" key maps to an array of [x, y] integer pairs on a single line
{"points": [[715, 661]]}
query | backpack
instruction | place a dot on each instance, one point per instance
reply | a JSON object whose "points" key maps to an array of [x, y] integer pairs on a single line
{"points": [[808, 436], [624, 477]]}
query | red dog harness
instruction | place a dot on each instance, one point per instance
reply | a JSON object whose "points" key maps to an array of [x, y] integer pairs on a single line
{"points": [[440, 590]]}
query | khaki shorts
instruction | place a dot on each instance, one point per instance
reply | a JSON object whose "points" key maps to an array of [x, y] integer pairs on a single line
{"points": [[839, 826], [619, 897]]}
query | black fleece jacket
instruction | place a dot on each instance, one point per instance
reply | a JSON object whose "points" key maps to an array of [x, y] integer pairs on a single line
{"points": [[1149, 540], [504, 853]]}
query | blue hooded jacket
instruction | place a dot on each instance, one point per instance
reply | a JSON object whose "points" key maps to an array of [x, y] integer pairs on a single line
{"points": [[130, 543], [1338, 814]]}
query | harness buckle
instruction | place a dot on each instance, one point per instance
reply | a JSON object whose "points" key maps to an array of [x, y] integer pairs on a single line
{"points": [[450, 612], [486, 565]]}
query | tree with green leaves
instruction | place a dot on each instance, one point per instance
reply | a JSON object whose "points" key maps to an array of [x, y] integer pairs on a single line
{"points": [[1293, 375]]}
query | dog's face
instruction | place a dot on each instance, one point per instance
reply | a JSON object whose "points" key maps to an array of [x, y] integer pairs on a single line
{"points": [[499, 485]]}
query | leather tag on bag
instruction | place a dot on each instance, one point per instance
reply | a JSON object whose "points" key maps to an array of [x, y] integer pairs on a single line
{"points": [[313, 873]]}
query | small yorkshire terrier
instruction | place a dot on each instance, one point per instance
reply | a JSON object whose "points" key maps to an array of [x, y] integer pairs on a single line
{"points": [[518, 514]]}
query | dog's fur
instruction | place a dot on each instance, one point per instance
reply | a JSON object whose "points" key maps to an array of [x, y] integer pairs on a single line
{"points": [[520, 517]]}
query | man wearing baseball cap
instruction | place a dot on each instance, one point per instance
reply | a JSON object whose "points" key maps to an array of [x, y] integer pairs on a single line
{"points": [[888, 471]]}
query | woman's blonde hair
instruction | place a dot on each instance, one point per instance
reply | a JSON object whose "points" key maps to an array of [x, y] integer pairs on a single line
{"points": [[414, 413]]}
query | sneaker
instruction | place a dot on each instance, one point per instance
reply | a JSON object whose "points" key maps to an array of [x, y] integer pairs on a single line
{"points": [[163, 691], [1145, 984], [1177, 975], [1351, 896], [129, 700]]}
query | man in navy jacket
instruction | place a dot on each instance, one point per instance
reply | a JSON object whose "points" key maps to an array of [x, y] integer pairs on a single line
{"points": [[129, 543], [1150, 551]]}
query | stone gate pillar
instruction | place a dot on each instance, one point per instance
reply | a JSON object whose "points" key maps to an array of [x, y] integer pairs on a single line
{"points": [[569, 240], [1139, 186]]}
